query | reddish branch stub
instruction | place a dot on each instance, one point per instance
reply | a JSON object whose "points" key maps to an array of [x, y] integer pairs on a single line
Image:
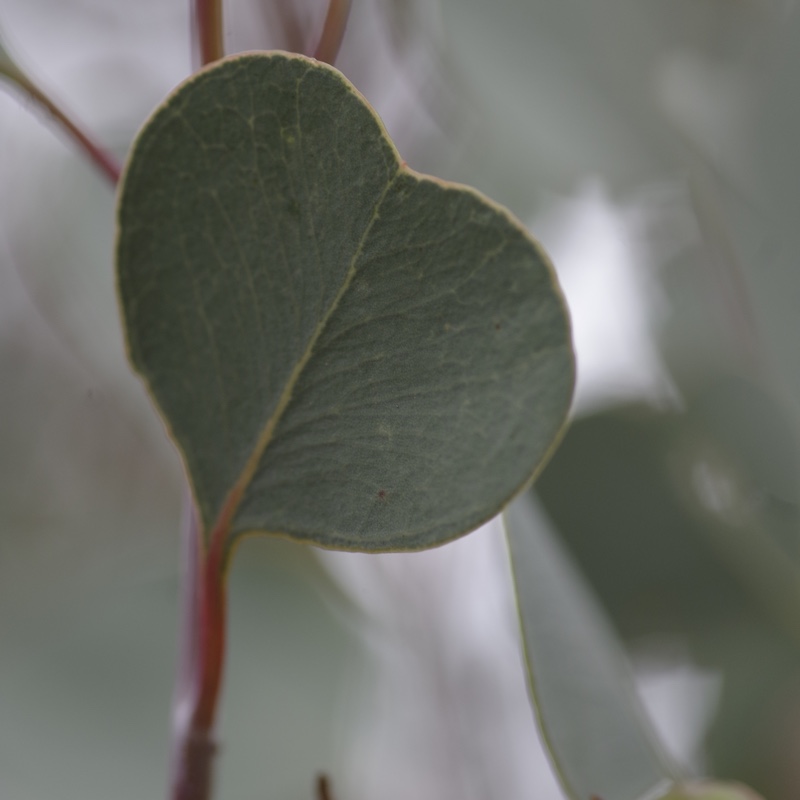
{"points": [[324, 788]]}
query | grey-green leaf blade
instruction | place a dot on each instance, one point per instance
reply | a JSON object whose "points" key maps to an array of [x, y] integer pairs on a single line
{"points": [[440, 350], [345, 352], [599, 738]]}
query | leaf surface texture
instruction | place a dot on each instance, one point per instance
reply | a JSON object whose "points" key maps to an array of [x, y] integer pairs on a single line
{"points": [[345, 351]]}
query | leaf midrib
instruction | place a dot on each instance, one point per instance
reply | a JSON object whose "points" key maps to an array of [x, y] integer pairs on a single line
{"points": [[234, 497]]}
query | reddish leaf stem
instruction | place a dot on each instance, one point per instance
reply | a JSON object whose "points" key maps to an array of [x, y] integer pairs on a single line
{"points": [[207, 35], [203, 654], [323, 788], [199, 685], [333, 31], [200, 673], [98, 155], [212, 632]]}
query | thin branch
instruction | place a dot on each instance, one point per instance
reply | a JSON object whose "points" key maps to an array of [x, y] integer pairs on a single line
{"points": [[212, 619], [324, 788], [186, 682], [202, 657], [333, 31], [98, 155], [207, 39]]}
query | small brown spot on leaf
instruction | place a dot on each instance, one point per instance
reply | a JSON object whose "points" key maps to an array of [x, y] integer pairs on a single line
{"points": [[497, 326], [381, 494]]}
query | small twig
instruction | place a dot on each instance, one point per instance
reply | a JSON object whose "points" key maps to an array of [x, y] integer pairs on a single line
{"points": [[324, 788], [98, 155], [189, 757], [207, 39], [200, 676], [333, 31], [194, 778]]}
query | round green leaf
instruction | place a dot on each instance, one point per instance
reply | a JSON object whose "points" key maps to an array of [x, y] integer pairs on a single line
{"points": [[345, 351]]}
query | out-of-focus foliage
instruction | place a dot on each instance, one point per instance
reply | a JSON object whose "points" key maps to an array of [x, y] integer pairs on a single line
{"points": [[681, 536], [685, 517], [596, 731]]}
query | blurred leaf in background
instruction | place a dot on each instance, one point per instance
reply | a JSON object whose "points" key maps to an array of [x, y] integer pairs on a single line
{"points": [[585, 701], [678, 528]]}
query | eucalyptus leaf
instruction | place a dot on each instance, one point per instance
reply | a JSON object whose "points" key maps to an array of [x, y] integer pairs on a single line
{"points": [[345, 351], [598, 736]]}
